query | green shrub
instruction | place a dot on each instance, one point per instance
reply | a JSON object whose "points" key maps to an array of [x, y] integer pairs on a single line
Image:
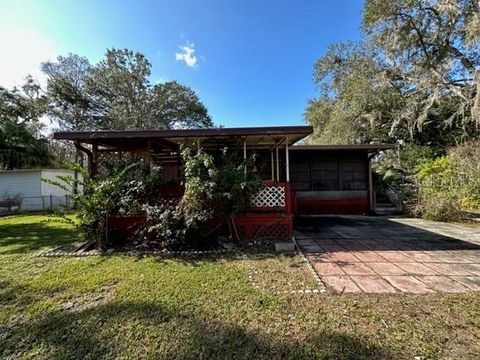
{"points": [[449, 186], [100, 198], [439, 206], [215, 188]]}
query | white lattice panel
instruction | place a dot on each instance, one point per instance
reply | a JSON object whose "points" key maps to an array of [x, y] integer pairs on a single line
{"points": [[270, 196]]}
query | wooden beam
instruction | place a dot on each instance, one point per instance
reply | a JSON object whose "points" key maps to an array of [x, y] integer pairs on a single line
{"points": [[82, 148]]}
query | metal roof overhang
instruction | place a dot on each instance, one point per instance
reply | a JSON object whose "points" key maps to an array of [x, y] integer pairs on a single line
{"points": [[258, 137]]}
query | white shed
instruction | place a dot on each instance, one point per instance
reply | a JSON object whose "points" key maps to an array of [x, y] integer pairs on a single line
{"points": [[35, 194]]}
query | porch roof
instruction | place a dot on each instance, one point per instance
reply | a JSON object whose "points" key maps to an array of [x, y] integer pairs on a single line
{"points": [[261, 137]]}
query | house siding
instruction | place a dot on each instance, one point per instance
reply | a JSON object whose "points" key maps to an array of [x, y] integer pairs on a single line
{"points": [[28, 185]]}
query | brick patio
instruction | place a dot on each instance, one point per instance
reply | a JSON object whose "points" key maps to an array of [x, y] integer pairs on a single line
{"points": [[355, 254]]}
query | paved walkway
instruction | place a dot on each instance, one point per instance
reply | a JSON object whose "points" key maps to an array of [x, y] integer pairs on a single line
{"points": [[388, 255]]}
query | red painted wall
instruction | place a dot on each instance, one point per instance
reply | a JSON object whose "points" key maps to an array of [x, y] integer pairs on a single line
{"points": [[314, 207]]}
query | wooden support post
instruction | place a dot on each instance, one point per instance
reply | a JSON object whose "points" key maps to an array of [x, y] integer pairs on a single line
{"points": [[94, 166], [287, 162], [371, 202], [82, 148], [245, 158], [147, 159], [271, 162], [278, 164]]}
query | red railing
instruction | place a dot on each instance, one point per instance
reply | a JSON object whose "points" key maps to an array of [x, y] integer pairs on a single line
{"points": [[270, 217]]}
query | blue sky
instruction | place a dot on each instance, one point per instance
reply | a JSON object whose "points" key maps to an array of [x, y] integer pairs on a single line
{"points": [[251, 64]]}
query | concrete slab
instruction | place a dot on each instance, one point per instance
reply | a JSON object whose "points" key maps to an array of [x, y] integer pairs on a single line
{"points": [[373, 284], [386, 255], [416, 268], [341, 284], [327, 268], [408, 284], [386, 268], [442, 283], [357, 269]]}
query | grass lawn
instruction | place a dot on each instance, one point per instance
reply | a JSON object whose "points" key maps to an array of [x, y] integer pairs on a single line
{"points": [[206, 308]]}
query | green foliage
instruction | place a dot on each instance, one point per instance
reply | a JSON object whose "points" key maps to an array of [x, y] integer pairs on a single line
{"points": [[72, 104], [21, 145], [173, 105], [415, 77], [214, 189], [100, 198], [399, 166], [450, 185], [218, 185], [433, 50], [116, 94]]}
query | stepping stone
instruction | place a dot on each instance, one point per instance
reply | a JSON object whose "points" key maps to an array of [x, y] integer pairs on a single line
{"points": [[471, 282], [368, 256], [394, 256], [449, 269]]}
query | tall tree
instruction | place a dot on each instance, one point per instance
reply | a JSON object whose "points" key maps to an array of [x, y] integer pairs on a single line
{"points": [[71, 103], [432, 47], [120, 82], [414, 77], [117, 94], [21, 143], [177, 106]]}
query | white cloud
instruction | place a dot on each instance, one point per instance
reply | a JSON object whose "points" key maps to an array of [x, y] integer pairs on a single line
{"points": [[187, 55], [22, 53]]}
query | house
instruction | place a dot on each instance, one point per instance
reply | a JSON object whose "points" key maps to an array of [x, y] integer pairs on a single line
{"points": [[24, 189], [298, 179]]}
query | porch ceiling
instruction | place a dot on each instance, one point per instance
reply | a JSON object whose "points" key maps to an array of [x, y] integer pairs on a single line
{"points": [[256, 137]]}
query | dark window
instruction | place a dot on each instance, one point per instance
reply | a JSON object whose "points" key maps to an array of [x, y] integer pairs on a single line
{"points": [[329, 173], [300, 176], [353, 175], [325, 175]]}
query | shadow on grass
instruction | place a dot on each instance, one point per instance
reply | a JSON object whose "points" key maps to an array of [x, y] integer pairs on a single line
{"points": [[21, 238], [199, 259], [140, 330]]}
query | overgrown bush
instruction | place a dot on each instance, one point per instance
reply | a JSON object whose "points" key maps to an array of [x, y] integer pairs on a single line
{"points": [[101, 197], [394, 173], [215, 188], [449, 186], [434, 184]]}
